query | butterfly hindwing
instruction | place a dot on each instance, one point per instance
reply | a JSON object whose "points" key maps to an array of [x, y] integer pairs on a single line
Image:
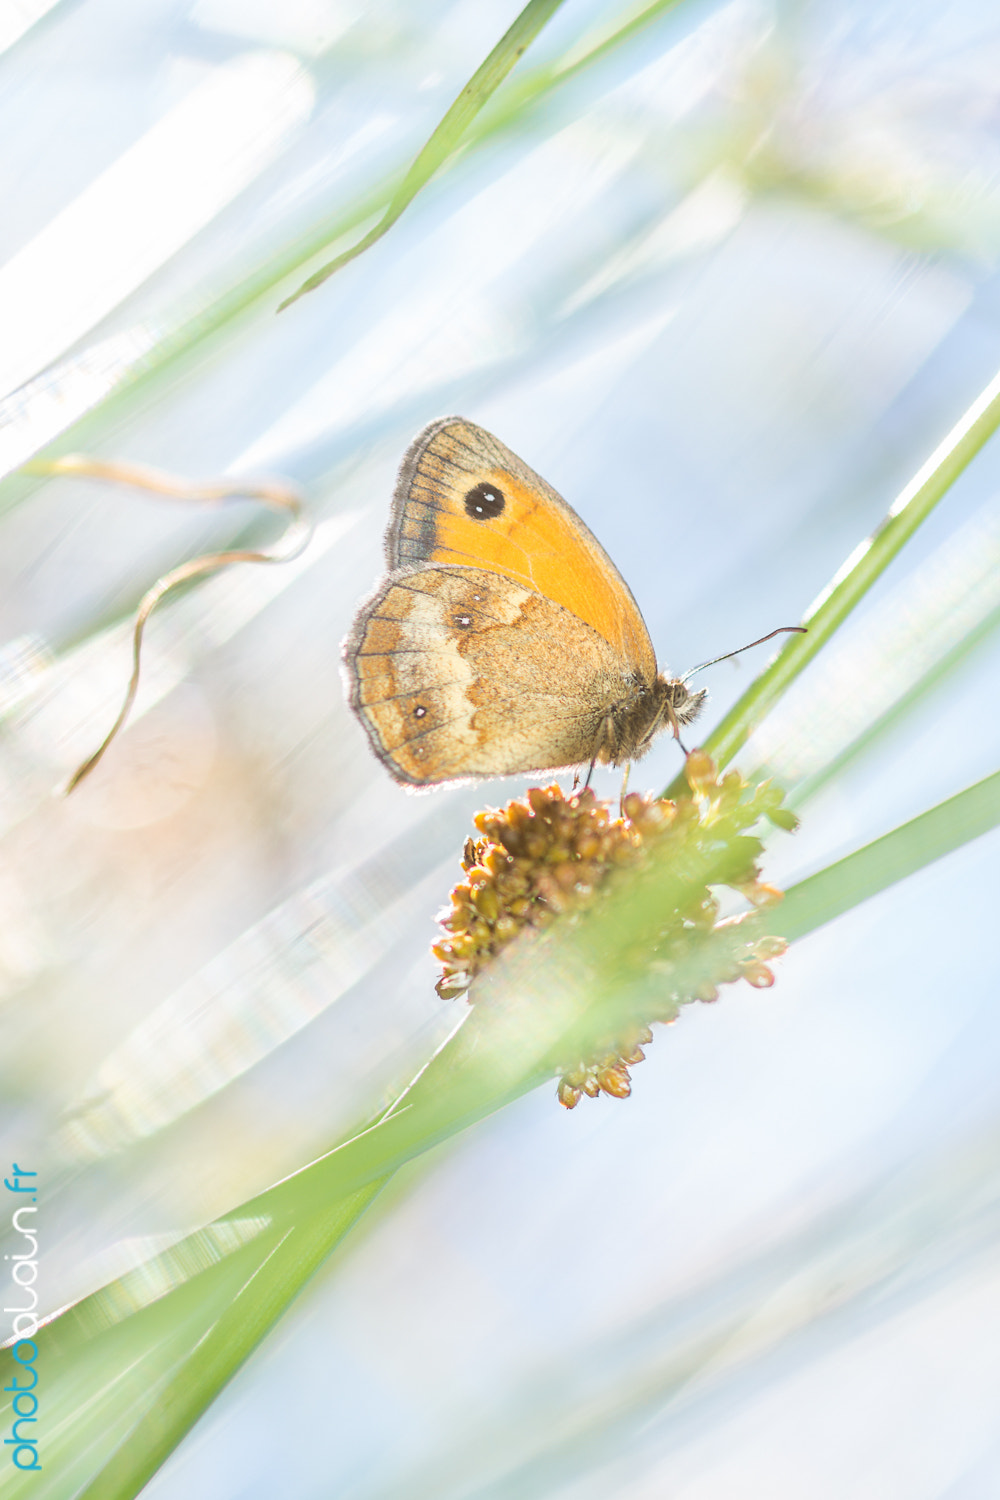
{"points": [[459, 671]]}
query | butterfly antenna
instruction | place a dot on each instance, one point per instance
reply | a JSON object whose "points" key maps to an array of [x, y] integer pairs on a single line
{"points": [[781, 630]]}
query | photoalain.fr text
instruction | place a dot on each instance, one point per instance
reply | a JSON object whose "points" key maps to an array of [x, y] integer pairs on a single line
{"points": [[23, 1439]]}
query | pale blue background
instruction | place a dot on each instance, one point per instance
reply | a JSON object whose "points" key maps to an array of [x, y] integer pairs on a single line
{"points": [[726, 291]]}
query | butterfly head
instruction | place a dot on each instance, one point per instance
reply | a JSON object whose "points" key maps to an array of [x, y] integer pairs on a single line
{"points": [[632, 725], [684, 705]]}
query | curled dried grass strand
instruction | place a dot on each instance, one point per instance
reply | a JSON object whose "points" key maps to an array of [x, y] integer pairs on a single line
{"points": [[289, 545]]}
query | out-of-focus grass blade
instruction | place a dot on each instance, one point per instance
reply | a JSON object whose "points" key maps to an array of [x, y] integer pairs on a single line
{"points": [[101, 1378], [223, 1348], [854, 879], [176, 343], [455, 129], [693, 1358], [534, 84], [448, 135], [861, 570], [900, 710]]}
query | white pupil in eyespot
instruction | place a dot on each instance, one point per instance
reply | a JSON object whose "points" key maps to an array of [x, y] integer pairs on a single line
{"points": [[484, 502]]}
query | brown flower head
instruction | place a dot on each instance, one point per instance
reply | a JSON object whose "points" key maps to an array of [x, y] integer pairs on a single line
{"points": [[553, 856]]}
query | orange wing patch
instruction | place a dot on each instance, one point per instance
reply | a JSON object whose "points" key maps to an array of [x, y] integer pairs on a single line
{"points": [[463, 497]]}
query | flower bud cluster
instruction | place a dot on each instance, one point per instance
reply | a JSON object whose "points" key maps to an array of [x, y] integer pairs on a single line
{"points": [[556, 856]]}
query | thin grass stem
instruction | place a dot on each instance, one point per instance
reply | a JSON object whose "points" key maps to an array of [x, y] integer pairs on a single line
{"points": [[862, 569]]}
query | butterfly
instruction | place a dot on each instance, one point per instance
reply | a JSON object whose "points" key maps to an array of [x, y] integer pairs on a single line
{"points": [[502, 639]]}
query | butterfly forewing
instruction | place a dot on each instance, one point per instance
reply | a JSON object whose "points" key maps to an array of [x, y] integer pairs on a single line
{"points": [[463, 497]]}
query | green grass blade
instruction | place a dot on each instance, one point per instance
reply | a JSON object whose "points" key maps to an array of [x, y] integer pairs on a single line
{"points": [[861, 570], [193, 333], [223, 1349], [449, 133], [535, 84], [899, 711], [865, 873], [456, 127]]}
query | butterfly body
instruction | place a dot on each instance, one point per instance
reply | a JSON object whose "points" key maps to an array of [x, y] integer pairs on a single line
{"points": [[502, 639]]}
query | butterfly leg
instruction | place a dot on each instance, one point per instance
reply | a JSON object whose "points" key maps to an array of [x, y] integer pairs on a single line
{"points": [[621, 794], [675, 727]]}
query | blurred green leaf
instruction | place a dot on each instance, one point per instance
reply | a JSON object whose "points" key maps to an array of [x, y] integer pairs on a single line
{"points": [[448, 135], [453, 131]]}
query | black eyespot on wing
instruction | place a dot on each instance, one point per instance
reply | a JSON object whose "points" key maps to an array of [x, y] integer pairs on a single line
{"points": [[420, 712], [484, 502]]}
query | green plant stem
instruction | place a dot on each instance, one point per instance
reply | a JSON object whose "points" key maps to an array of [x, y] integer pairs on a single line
{"points": [[216, 1357], [861, 570], [448, 135]]}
